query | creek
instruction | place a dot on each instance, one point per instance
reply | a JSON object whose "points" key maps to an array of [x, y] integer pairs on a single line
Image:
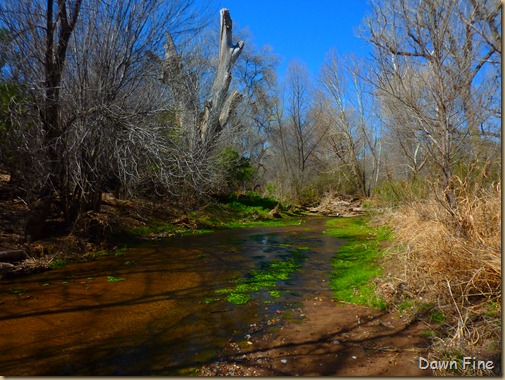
{"points": [[153, 309]]}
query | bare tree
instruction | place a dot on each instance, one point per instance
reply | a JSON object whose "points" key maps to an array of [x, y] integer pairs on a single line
{"points": [[438, 73], [99, 106], [44, 32], [299, 119], [205, 125], [354, 134], [296, 136], [251, 123]]}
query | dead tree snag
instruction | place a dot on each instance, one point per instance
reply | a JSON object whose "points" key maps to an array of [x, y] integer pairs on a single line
{"points": [[206, 124]]}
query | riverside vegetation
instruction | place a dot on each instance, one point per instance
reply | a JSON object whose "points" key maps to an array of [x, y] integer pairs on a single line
{"points": [[380, 264], [190, 130]]}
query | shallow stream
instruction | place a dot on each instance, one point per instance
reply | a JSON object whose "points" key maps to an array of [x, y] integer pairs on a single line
{"points": [[153, 310]]}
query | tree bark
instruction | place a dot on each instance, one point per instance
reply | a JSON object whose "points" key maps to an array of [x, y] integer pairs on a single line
{"points": [[55, 56], [206, 124], [219, 107]]}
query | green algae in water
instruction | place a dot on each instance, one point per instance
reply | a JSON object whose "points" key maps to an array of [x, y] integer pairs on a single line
{"points": [[115, 279], [265, 278], [238, 298], [356, 262], [210, 300], [275, 293]]}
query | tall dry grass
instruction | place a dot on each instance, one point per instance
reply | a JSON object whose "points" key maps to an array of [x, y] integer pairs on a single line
{"points": [[451, 257]]}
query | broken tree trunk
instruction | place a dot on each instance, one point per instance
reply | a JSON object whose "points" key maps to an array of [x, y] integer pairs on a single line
{"points": [[206, 124], [219, 107]]}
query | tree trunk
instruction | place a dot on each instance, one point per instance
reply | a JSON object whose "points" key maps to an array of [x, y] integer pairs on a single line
{"points": [[55, 56], [220, 105], [205, 125]]}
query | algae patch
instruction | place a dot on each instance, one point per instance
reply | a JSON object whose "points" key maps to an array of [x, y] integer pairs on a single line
{"points": [[356, 264], [266, 278]]}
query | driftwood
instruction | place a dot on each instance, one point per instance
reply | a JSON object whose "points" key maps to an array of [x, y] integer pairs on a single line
{"points": [[338, 205], [110, 200], [275, 212], [12, 256]]}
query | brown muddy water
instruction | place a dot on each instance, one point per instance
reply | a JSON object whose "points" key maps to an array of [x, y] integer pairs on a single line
{"points": [[157, 321]]}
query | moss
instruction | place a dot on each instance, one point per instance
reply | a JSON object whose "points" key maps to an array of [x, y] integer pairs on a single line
{"points": [[356, 262], [238, 298], [20, 292], [210, 300]]}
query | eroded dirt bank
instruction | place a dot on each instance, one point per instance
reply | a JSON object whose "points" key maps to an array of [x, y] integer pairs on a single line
{"points": [[334, 339]]}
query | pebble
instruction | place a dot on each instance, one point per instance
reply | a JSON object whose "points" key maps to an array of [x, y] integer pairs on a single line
{"points": [[284, 361]]}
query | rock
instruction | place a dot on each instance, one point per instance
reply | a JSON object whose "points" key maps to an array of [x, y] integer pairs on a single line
{"points": [[284, 361]]}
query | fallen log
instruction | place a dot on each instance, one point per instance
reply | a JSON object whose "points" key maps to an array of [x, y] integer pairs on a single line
{"points": [[12, 255]]}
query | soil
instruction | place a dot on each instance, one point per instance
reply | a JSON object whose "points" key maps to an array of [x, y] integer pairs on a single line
{"points": [[332, 339], [92, 232]]}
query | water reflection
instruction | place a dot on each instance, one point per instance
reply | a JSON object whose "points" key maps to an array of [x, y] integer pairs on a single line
{"points": [[75, 322]]}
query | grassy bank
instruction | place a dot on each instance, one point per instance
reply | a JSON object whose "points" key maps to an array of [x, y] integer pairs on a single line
{"points": [[248, 210], [356, 263], [449, 261], [122, 223]]}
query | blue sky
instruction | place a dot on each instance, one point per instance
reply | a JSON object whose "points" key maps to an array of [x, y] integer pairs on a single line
{"points": [[302, 30]]}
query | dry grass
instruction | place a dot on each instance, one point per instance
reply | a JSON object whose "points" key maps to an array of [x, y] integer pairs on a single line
{"points": [[451, 258]]}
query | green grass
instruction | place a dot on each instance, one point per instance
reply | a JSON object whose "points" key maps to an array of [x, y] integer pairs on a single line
{"points": [[437, 317], [120, 251], [163, 227], [96, 255], [58, 263], [405, 305], [252, 200], [356, 262], [265, 278], [247, 210], [260, 223]]}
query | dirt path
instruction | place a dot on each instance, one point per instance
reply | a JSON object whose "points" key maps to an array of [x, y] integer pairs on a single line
{"points": [[333, 339]]}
